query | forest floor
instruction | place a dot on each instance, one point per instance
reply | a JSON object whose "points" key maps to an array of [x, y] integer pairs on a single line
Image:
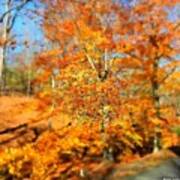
{"points": [[15, 111], [18, 112], [19, 116]]}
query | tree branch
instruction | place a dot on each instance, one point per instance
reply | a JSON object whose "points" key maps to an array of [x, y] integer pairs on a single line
{"points": [[167, 75], [18, 7]]}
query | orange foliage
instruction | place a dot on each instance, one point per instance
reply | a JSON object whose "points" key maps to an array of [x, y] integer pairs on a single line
{"points": [[109, 75], [112, 65]]}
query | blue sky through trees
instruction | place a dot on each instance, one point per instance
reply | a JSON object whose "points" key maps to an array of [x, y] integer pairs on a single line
{"points": [[27, 27]]}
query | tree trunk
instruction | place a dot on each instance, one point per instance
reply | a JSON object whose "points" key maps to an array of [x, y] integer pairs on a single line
{"points": [[28, 91], [1, 62], [156, 103], [53, 87], [4, 36]]}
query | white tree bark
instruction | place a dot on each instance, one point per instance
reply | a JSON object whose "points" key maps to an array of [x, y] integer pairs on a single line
{"points": [[3, 35], [1, 62]]}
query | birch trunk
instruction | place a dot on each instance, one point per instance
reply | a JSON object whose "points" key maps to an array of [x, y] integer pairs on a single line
{"points": [[1, 62], [4, 36]]}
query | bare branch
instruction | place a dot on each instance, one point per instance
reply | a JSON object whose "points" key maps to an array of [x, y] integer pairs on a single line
{"points": [[168, 75], [13, 20], [18, 7]]}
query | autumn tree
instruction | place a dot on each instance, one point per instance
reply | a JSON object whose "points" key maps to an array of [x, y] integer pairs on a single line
{"points": [[111, 64], [153, 46], [109, 72]]}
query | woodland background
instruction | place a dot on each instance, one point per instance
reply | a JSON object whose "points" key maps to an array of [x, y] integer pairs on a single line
{"points": [[86, 82]]}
